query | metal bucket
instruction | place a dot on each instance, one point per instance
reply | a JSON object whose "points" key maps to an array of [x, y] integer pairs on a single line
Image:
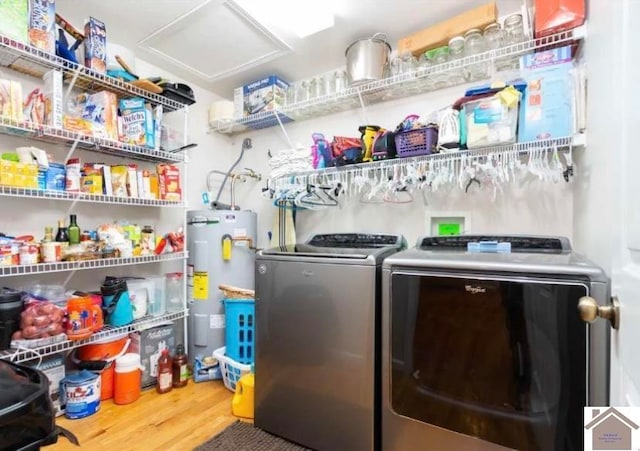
{"points": [[367, 59]]}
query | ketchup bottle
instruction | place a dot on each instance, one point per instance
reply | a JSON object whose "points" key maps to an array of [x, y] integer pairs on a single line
{"points": [[165, 373]]}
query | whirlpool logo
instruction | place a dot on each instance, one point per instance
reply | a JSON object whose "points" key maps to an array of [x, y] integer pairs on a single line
{"points": [[475, 289]]}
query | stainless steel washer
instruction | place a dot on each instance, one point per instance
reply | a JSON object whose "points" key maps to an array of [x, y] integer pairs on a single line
{"points": [[317, 340], [487, 351]]}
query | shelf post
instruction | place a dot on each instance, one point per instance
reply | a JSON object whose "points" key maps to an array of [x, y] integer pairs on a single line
{"points": [[284, 131], [364, 109]]}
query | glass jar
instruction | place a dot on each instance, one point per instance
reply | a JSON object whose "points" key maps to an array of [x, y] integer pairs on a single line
{"points": [[340, 81], [513, 34], [291, 94], [474, 44], [174, 293], [494, 40], [439, 56], [457, 75]]}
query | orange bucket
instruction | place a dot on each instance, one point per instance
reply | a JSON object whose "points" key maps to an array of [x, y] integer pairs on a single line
{"points": [[106, 352]]}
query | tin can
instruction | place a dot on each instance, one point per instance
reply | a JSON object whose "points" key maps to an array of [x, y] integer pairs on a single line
{"points": [[51, 252], [28, 254]]}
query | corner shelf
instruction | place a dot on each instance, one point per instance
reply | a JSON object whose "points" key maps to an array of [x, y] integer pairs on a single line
{"points": [[57, 136], [32, 193], [42, 268], [395, 87], [108, 332], [35, 62]]}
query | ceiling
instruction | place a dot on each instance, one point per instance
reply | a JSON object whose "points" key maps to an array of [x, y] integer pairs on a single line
{"points": [[223, 44]]}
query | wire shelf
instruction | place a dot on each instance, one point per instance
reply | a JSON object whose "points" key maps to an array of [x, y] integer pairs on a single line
{"points": [[9, 191], [42, 268], [35, 62], [108, 332], [395, 87], [57, 136], [560, 144]]}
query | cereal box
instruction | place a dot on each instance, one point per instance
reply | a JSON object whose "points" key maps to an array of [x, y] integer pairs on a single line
{"points": [[52, 90], [101, 110], [137, 122], [42, 21], [95, 45], [169, 182], [14, 19]]}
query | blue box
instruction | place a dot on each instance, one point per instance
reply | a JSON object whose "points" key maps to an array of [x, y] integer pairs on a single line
{"points": [[56, 178], [206, 369], [546, 109], [266, 94]]}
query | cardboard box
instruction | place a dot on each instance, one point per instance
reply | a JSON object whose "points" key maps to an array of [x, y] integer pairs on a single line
{"points": [[149, 343], [547, 107], [95, 45], [266, 94], [169, 182], [53, 368], [42, 24], [14, 20], [554, 16], [136, 122], [101, 110], [440, 34]]}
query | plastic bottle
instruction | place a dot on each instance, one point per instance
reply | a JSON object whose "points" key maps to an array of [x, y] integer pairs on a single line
{"points": [[165, 373], [179, 365]]}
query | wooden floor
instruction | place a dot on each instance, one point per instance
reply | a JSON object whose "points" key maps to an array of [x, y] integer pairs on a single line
{"points": [[179, 420]]}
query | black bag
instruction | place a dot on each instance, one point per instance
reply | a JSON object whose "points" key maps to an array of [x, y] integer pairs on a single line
{"points": [[27, 416]]}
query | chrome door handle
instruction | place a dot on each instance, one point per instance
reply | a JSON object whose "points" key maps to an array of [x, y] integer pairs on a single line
{"points": [[589, 311]]}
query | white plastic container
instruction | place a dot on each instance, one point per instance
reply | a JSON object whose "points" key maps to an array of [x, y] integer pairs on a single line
{"points": [[157, 296], [490, 122], [139, 295]]}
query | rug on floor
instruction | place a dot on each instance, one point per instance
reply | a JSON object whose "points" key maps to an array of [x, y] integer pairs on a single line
{"points": [[241, 436]]}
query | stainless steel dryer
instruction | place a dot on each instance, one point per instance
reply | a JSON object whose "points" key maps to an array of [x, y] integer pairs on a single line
{"points": [[317, 340], [488, 351]]}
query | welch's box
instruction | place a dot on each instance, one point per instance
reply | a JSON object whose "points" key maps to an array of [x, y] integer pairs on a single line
{"points": [[149, 343], [260, 96]]}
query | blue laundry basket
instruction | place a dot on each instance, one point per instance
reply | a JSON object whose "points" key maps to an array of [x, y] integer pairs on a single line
{"points": [[240, 322]]}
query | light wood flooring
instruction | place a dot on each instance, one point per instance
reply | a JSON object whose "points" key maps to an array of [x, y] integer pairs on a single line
{"points": [[179, 420]]}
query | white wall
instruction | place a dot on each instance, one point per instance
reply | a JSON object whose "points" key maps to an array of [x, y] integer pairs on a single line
{"points": [[530, 208]]}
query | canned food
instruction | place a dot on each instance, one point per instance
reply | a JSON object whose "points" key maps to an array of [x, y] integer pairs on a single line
{"points": [[51, 252], [28, 254]]}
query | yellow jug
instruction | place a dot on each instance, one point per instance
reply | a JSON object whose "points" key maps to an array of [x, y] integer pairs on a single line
{"points": [[242, 404]]}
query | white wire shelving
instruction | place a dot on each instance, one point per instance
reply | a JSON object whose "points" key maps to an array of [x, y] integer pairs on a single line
{"points": [[8, 191], [108, 332], [395, 87], [42, 268], [559, 144], [35, 62], [57, 136]]}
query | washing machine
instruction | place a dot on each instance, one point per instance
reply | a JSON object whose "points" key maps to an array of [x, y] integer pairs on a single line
{"points": [[317, 340], [490, 351]]}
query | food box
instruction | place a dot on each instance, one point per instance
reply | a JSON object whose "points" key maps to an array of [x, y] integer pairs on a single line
{"points": [[169, 182], [52, 90], [55, 178], [439, 34], [206, 369], [11, 100], [547, 105], [149, 343], [554, 16], [136, 121], [95, 45], [266, 94], [101, 109], [14, 20], [42, 23]]}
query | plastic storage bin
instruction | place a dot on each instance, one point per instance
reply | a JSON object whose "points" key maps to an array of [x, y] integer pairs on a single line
{"points": [[231, 370], [240, 325], [489, 122], [421, 141]]}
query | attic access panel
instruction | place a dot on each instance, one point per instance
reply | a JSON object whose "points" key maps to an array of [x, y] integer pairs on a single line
{"points": [[215, 40]]}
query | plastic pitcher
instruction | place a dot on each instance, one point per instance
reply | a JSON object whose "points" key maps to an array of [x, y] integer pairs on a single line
{"points": [[242, 404], [116, 302]]}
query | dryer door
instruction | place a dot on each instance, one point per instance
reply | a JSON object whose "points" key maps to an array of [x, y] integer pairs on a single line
{"points": [[503, 360]]}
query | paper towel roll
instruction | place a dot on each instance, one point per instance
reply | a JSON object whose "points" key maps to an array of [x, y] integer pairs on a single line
{"points": [[220, 110]]}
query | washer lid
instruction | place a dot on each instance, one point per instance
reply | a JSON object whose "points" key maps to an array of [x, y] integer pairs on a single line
{"points": [[357, 246]]}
